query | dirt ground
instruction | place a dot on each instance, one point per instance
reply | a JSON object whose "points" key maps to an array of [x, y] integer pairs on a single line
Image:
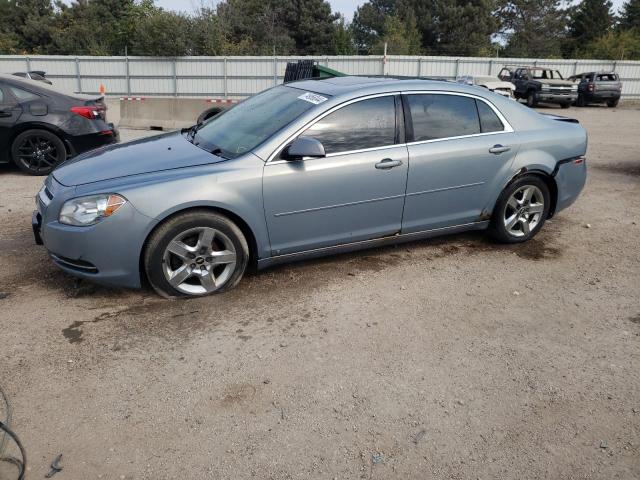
{"points": [[453, 358]]}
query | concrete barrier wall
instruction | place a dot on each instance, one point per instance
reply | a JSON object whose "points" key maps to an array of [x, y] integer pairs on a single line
{"points": [[163, 113]]}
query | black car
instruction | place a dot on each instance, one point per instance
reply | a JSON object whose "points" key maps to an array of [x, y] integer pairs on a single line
{"points": [[598, 87], [41, 127], [537, 84]]}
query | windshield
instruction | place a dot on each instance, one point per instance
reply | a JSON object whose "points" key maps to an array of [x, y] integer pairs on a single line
{"points": [[546, 74], [248, 124]]}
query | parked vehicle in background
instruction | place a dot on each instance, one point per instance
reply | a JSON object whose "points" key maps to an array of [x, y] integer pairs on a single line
{"points": [[307, 169], [537, 84], [493, 84], [41, 127], [598, 87], [37, 75]]}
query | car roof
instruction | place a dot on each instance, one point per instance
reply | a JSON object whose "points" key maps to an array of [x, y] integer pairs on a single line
{"points": [[358, 86]]}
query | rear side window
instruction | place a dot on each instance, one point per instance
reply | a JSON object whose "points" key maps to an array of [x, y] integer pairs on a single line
{"points": [[365, 124], [442, 116], [489, 121], [22, 94]]}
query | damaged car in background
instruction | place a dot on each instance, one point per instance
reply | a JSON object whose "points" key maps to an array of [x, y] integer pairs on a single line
{"points": [[493, 84]]}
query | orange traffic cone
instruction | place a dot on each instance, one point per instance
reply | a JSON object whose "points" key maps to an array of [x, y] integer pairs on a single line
{"points": [[102, 90]]}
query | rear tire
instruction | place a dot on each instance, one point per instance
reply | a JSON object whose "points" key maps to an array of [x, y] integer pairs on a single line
{"points": [[532, 101], [521, 210], [612, 103], [565, 105], [37, 151], [194, 254]]}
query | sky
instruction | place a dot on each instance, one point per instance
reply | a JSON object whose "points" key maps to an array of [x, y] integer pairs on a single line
{"points": [[346, 7]]}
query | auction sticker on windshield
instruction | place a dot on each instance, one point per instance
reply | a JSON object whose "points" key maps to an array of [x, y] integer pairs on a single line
{"points": [[312, 98]]}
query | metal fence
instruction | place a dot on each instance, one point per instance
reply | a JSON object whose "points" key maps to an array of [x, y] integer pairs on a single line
{"points": [[238, 77]]}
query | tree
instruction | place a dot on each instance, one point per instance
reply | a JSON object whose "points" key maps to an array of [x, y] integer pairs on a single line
{"points": [[591, 19], [630, 15], [532, 28], [161, 33], [401, 36], [30, 24], [343, 41], [465, 27], [616, 45]]}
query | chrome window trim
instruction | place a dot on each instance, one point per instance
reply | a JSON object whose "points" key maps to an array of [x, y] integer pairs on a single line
{"points": [[507, 126], [277, 151]]}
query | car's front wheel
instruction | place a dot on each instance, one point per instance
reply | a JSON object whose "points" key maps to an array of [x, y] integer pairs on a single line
{"points": [[37, 152], [532, 100], [195, 253], [521, 210]]}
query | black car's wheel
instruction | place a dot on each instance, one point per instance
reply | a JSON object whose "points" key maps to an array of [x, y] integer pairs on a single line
{"points": [[194, 254], [612, 103], [521, 210], [532, 101], [580, 102], [37, 152]]}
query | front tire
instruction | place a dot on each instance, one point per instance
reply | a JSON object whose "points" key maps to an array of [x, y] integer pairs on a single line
{"points": [[194, 254], [580, 102], [612, 103], [532, 101], [37, 152], [565, 105], [521, 210]]}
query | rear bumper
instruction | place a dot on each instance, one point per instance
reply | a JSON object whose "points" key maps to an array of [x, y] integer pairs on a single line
{"points": [[570, 176], [83, 143], [602, 96]]}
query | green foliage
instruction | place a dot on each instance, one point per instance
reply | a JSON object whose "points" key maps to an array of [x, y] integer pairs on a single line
{"points": [[533, 28], [590, 19], [615, 45], [630, 15]]}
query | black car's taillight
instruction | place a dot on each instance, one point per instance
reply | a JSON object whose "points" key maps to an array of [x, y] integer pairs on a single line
{"points": [[87, 111]]}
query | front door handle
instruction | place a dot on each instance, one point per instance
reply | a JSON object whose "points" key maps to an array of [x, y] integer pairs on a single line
{"points": [[5, 113], [388, 163], [498, 149]]}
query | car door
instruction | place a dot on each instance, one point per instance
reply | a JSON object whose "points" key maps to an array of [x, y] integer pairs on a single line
{"points": [[521, 78], [461, 149], [9, 113], [356, 192]]}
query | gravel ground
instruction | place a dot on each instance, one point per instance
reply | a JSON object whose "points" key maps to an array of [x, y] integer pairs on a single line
{"points": [[446, 359]]}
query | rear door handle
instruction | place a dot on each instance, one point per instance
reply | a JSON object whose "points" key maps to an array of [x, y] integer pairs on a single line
{"points": [[388, 163], [498, 149]]}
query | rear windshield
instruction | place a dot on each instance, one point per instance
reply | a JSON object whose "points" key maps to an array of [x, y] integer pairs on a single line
{"points": [[607, 77], [248, 124]]}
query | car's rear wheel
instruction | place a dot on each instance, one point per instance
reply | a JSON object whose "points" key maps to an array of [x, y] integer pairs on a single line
{"points": [[194, 254], [37, 151], [565, 105], [612, 103], [532, 101], [521, 210]]}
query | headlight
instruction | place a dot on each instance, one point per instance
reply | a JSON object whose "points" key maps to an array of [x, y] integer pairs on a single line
{"points": [[90, 210]]}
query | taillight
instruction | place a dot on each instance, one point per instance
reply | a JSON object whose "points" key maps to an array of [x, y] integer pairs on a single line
{"points": [[579, 160], [591, 87], [87, 111]]}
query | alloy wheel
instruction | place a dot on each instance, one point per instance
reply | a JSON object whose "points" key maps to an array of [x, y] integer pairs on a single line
{"points": [[523, 212], [199, 261], [38, 153]]}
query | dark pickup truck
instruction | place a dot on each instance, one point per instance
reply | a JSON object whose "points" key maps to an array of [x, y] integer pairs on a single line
{"points": [[537, 84], [598, 87]]}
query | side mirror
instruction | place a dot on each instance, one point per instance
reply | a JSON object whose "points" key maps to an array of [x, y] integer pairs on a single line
{"points": [[305, 147]]}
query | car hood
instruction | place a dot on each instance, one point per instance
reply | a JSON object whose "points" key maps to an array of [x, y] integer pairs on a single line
{"points": [[152, 154], [498, 84]]}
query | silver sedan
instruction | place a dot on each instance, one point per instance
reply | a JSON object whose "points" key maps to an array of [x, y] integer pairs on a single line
{"points": [[308, 169]]}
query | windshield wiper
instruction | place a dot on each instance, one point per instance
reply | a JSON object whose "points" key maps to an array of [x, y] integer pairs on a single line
{"points": [[218, 152], [192, 131]]}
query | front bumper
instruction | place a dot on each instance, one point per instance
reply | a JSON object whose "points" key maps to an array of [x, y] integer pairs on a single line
{"points": [[553, 97], [107, 252]]}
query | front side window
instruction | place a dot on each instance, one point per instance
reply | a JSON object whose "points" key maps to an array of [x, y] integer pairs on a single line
{"points": [[441, 116], [365, 124], [248, 124]]}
